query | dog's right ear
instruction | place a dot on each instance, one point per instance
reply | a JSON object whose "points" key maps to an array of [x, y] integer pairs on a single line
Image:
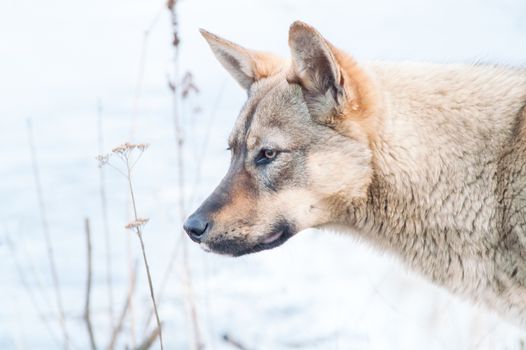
{"points": [[246, 66]]}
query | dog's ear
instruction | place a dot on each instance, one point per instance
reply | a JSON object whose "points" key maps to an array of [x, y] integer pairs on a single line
{"points": [[246, 66], [316, 68]]}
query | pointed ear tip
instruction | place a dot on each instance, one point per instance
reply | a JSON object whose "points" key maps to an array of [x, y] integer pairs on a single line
{"points": [[205, 33], [211, 38], [299, 28], [299, 25]]}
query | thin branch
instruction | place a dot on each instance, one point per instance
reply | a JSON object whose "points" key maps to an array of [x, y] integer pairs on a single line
{"points": [[135, 108], [32, 274], [146, 265], [138, 86], [104, 210], [148, 342], [179, 143], [140, 73], [87, 314], [233, 342], [166, 276], [47, 236], [178, 242], [200, 157], [118, 327], [32, 295], [198, 343], [131, 275], [117, 169], [136, 160], [150, 284], [124, 152]]}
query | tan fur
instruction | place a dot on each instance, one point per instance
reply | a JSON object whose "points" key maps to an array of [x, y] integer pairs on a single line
{"points": [[253, 65], [266, 65], [366, 108], [426, 161]]}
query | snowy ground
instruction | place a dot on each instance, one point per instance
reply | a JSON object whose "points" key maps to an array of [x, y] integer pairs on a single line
{"points": [[320, 290]]}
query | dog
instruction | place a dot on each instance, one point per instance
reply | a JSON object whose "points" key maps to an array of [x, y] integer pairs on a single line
{"points": [[426, 161]]}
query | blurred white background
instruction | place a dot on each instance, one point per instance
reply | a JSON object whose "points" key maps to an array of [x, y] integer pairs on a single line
{"points": [[318, 291]]}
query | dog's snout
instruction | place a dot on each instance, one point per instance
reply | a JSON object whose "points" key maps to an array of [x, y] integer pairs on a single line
{"points": [[196, 226]]}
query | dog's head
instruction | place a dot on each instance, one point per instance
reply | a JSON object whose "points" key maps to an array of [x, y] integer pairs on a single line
{"points": [[300, 146]]}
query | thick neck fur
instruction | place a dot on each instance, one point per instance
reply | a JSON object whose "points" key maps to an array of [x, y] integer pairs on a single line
{"points": [[441, 172]]}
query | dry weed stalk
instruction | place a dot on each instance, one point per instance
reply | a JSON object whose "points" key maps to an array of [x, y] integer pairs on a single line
{"points": [[149, 340], [131, 312], [227, 338], [117, 329], [47, 235], [87, 305], [30, 291], [104, 210], [141, 71], [125, 153], [182, 90], [164, 280]]}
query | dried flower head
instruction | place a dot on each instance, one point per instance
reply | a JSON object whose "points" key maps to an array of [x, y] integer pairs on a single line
{"points": [[103, 159], [170, 4], [142, 146], [137, 223], [176, 40], [128, 147], [125, 154], [188, 85], [125, 147]]}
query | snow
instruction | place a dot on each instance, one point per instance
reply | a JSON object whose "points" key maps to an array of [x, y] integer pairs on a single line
{"points": [[320, 290]]}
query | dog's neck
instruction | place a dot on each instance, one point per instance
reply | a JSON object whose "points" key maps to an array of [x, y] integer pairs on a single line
{"points": [[436, 197], [433, 209], [432, 230]]}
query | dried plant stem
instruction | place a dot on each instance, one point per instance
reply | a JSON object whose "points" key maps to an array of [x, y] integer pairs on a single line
{"points": [[131, 272], [150, 284], [131, 275], [201, 155], [234, 342], [32, 274], [178, 243], [117, 329], [135, 109], [47, 236], [150, 339], [87, 308], [138, 86], [146, 265], [104, 210], [123, 152], [140, 73], [179, 141], [32, 295], [198, 343], [164, 280]]}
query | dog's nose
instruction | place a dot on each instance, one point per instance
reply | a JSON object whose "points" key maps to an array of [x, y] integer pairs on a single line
{"points": [[196, 226]]}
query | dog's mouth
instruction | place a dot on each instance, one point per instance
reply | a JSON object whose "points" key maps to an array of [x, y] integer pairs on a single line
{"points": [[276, 238], [280, 233], [273, 237]]}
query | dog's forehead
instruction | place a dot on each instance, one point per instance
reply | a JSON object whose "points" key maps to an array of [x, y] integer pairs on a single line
{"points": [[270, 103]]}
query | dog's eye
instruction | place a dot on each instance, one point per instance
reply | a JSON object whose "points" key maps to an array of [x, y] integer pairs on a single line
{"points": [[265, 156]]}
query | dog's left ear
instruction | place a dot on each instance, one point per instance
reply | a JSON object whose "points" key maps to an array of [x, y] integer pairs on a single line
{"points": [[246, 66], [327, 87]]}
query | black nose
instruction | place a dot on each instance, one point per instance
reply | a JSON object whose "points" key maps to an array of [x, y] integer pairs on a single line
{"points": [[196, 226]]}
